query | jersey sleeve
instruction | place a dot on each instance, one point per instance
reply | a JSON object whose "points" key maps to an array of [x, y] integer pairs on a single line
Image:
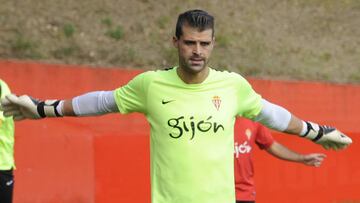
{"points": [[264, 139], [1, 96], [249, 101], [132, 96]]}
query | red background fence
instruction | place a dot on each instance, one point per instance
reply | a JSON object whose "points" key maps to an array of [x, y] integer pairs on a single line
{"points": [[106, 159]]}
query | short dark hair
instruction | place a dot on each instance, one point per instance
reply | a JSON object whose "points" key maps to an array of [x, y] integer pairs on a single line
{"points": [[195, 18]]}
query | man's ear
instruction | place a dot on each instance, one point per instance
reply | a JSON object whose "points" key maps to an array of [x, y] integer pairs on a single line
{"points": [[175, 41]]}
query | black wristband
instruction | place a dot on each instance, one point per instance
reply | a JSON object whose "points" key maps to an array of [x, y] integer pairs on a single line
{"points": [[308, 128], [41, 109], [319, 135], [48, 108]]}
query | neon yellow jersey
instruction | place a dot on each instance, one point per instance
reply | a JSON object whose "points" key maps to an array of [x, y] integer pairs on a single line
{"points": [[6, 135], [192, 128]]}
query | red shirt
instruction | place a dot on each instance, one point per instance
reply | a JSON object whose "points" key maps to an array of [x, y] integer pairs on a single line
{"points": [[247, 133]]}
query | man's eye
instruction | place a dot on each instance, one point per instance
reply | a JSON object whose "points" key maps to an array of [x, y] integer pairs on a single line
{"points": [[204, 43], [189, 42]]}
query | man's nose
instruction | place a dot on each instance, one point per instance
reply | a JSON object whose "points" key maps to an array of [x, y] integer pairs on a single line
{"points": [[197, 49]]}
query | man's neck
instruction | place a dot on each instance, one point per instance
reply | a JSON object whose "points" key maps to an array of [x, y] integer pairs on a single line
{"points": [[193, 78]]}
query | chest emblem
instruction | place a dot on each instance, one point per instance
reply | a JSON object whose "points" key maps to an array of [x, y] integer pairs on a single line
{"points": [[248, 133], [217, 102]]}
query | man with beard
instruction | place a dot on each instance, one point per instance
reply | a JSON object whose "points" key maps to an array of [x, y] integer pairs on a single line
{"points": [[191, 109]]}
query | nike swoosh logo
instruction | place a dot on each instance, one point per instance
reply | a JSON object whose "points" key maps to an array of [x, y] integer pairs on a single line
{"points": [[165, 102], [9, 183]]}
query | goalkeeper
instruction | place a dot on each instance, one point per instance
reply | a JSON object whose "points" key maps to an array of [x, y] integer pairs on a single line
{"points": [[191, 109]]}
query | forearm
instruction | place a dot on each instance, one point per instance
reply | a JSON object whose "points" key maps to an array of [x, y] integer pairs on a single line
{"points": [[284, 153], [278, 118], [295, 126], [281, 152], [90, 104], [66, 108]]}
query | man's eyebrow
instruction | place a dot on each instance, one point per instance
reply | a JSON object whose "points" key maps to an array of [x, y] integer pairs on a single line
{"points": [[193, 40]]}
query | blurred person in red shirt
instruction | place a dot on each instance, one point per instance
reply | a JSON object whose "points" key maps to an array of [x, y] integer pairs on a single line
{"points": [[248, 134]]}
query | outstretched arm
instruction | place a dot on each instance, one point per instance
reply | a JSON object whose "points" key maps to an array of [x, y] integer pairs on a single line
{"points": [[278, 118], [67, 108], [90, 104], [281, 152]]}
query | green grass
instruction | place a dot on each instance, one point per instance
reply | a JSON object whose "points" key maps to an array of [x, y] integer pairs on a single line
{"points": [[107, 21], [163, 22], [116, 33], [67, 51], [68, 30], [23, 47], [273, 39]]}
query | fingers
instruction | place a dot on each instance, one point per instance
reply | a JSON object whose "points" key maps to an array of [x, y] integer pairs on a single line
{"points": [[346, 139], [9, 102], [335, 140], [341, 146], [321, 155], [326, 146], [338, 137], [318, 157], [15, 106], [19, 117], [4, 102], [11, 99], [335, 146], [12, 112], [314, 159], [317, 164], [9, 107], [16, 114]]}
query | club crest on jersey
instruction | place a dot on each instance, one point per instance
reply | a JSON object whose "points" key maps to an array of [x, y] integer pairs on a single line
{"points": [[248, 133], [216, 101]]}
